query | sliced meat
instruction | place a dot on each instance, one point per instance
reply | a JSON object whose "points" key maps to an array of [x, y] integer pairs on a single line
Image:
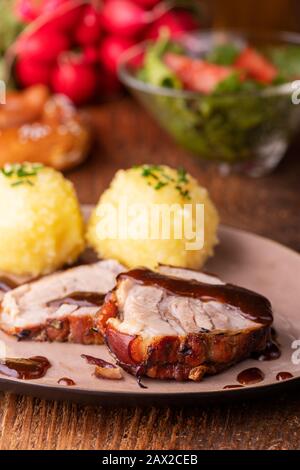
{"points": [[181, 324], [9, 282], [6, 284], [62, 306]]}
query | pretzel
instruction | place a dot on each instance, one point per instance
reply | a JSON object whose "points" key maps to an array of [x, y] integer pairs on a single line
{"points": [[37, 127]]}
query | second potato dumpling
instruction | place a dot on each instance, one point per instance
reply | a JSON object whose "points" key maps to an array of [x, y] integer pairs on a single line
{"points": [[125, 224]]}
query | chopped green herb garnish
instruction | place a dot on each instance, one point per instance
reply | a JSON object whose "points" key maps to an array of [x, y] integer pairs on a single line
{"points": [[6, 172], [17, 183], [148, 171], [160, 184], [169, 178], [182, 176], [162, 179], [183, 192], [21, 173]]}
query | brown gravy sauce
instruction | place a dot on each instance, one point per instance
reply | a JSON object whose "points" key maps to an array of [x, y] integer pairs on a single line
{"points": [[66, 381], [270, 353], [7, 284], [272, 350], [284, 376], [250, 376], [26, 369], [81, 299], [274, 335], [252, 305], [96, 361]]}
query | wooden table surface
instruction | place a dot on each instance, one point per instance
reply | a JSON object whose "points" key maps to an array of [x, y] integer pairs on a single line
{"points": [[269, 206]]}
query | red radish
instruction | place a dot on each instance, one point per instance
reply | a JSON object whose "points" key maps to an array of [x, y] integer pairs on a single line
{"points": [[67, 21], [110, 51], [177, 22], [123, 17], [30, 72], [89, 29], [197, 75], [53, 5], [42, 46], [74, 78], [146, 3], [108, 84], [63, 15], [256, 65], [90, 54], [28, 10]]}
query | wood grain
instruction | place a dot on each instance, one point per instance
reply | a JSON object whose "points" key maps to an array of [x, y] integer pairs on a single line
{"points": [[269, 206], [258, 15], [34, 424]]}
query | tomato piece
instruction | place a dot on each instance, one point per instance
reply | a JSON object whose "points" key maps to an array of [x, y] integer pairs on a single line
{"points": [[195, 74], [256, 65]]}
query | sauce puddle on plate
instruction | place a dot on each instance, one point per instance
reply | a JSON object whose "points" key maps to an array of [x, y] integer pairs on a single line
{"points": [[66, 381], [250, 376], [270, 353], [284, 376], [25, 369]]}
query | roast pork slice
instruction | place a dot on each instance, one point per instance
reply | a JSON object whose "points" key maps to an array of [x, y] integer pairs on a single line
{"points": [[182, 324], [61, 306], [9, 282]]}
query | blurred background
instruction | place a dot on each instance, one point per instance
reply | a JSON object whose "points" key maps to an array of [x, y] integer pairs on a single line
{"points": [[255, 14], [92, 31], [73, 48]]}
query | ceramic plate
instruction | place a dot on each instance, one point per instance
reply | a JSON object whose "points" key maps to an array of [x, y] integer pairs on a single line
{"points": [[242, 258]]}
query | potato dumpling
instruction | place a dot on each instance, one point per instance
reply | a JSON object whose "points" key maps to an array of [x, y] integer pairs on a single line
{"points": [[41, 227], [149, 186]]}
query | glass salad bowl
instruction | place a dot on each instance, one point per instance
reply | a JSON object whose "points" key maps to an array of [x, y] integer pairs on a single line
{"points": [[244, 127]]}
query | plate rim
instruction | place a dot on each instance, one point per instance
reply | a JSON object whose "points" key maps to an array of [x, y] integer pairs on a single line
{"points": [[84, 395]]}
